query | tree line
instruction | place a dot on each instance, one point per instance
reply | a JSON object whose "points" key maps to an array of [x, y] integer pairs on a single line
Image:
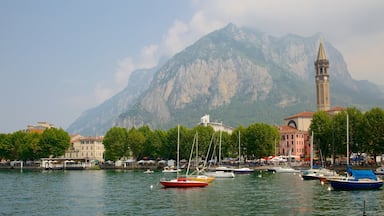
{"points": [[366, 134], [254, 141], [22, 145], [365, 130]]}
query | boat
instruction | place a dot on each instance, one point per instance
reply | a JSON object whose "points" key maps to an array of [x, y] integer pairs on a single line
{"points": [[181, 182], [203, 178], [221, 174], [319, 173], [220, 171], [148, 171], [197, 175], [379, 171], [242, 170], [168, 169], [280, 169], [356, 180]]}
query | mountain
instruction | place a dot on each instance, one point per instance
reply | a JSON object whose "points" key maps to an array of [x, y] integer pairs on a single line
{"points": [[98, 120], [239, 76]]}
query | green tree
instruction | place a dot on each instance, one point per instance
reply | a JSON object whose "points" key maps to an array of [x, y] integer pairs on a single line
{"points": [[18, 140], [54, 142], [136, 140], [5, 146], [259, 140], [31, 147], [321, 127], [374, 136], [116, 143]]}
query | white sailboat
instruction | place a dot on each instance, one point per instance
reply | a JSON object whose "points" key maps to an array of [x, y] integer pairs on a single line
{"points": [[242, 170], [221, 172]]}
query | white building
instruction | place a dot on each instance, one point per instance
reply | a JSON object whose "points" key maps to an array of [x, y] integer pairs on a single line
{"points": [[217, 126], [90, 147]]}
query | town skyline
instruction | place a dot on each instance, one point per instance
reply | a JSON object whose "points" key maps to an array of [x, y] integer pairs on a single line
{"points": [[60, 59]]}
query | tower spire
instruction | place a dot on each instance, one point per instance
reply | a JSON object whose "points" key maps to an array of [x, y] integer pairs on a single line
{"points": [[322, 80], [321, 53]]}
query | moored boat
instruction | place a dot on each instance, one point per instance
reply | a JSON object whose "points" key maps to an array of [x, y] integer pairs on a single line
{"points": [[148, 171], [202, 178], [183, 182], [244, 170], [170, 170], [357, 180], [283, 170], [220, 174]]}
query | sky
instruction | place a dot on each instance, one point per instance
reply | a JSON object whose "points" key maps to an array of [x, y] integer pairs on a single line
{"points": [[61, 58]]}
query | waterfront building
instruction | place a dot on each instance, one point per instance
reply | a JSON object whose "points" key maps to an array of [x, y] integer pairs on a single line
{"points": [[90, 147], [217, 126]]}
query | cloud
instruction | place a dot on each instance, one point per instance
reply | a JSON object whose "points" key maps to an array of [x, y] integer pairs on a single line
{"points": [[103, 93]]}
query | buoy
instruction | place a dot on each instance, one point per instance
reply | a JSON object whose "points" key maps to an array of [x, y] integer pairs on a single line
{"points": [[151, 187]]}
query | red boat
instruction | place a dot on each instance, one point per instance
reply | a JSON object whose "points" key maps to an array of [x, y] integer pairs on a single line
{"points": [[183, 182]]}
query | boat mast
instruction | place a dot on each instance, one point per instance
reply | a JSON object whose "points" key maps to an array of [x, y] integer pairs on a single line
{"points": [[239, 150], [178, 150], [275, 148], [311, 143], [347, 139], [220, 148]]}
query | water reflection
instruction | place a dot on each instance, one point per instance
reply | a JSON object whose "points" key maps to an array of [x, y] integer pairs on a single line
{"points": [[130, 193]]}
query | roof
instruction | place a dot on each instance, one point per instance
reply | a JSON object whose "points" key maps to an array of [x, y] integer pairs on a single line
{"points": [[321, 54], [286, 128], [337, 108], [301, 114]]}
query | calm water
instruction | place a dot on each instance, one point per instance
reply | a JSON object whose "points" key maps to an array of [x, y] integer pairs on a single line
{"points": [[101, 192]]}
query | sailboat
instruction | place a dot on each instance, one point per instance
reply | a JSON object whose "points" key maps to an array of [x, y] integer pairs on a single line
{"points": [[356, 179], [316, 173], [197, 175], [221, 172], [285, 169], [181, 182], [242, 170]]}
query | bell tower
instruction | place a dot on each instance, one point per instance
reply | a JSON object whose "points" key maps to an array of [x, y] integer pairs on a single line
{"points": [[322, 80]]}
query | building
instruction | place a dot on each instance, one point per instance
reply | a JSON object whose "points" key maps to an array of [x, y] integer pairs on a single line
{"points": [[91, 148], [39, 128], [293, 142], [322, 80], [217, 126], [294, 134]]}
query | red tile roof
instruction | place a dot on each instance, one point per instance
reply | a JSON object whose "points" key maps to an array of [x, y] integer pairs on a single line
{"points": [[301, 114]]}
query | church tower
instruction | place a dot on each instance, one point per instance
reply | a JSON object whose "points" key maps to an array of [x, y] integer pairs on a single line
{"points": [[322, 80]]}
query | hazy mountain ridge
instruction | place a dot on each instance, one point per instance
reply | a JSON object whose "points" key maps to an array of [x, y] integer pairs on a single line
{"points": [[98, 120], [240, 76]]}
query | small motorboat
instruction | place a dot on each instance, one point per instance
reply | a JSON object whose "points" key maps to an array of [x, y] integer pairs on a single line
{"points": [[148, 171]]}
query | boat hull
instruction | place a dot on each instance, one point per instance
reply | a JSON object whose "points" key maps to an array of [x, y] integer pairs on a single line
{"points": [[243, 171], [183, 183], [354, 185], [207, 179], [221, 174]]}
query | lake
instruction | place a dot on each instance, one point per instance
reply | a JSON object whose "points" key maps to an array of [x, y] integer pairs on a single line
{"points": [[113, 192]]}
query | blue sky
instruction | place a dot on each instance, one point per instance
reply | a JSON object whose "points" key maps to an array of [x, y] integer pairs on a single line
{"points": [[60, 58]]}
